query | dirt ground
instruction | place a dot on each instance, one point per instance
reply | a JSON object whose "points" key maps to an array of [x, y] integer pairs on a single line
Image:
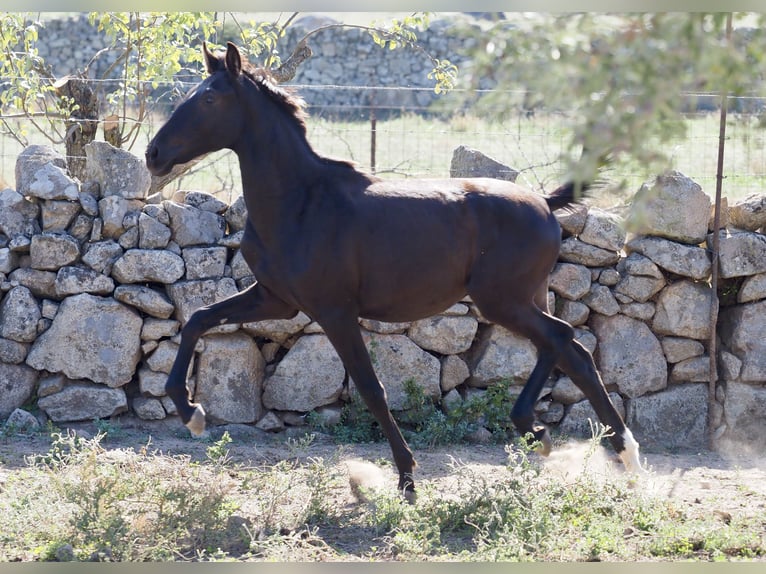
{"points": [[726, 483]]}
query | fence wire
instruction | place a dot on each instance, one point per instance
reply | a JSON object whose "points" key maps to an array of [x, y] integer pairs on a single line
{"points": [[390, 132]]}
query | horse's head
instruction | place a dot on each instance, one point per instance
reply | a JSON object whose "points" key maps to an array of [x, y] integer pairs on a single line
{"points": [[208, 119]]}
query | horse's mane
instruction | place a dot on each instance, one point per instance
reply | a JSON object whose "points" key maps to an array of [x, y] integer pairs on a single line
{"points": [[288, 100], [285, 98]]}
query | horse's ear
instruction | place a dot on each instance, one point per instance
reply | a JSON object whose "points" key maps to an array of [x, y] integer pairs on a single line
{"points": [[233, 59], [212, 63]]}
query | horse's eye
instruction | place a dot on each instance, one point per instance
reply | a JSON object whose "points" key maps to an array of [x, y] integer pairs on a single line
{"points": [[209, 98]]}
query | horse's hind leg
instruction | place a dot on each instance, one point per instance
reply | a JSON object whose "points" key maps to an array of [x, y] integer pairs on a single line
{"points": [[253, 304], [550, 336], [346, 337], [578, 364]]}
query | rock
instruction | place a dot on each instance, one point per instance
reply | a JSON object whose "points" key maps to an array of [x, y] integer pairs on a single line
{"points": [[100, 256], [683, 310], [566, 392], [572, 220], [397, 360], [673, 419], [192, 226], [581, 420], [740, 253], [12, 352], [695, 370], [204, 262], [145, 299], [673, 206], [384, 328], [21, 421], [41, 173], [57, 215], [603, 229], [743, 411], [8, 260], [447, 335], [454, 372], [148, 409], [468, 162], [19, 315], [741, 331], [117, 171], [18, 216], [279, 330], [40, 283], [151, 383], [753, 289], [573, 312], [17, 386], [51, 251], [148, 265], [76, 280], [310, 375], [570, 280], [749, 213], [575, 251], [161, 360], [236, 214], [679, 349], [156, 329], [84, 401], [685, 260], [151, 233], [629, 355], [91, 338], [730, 366], [205, 201], [601, 300], [270, 423], [501, 354], [112, 211], [229, 379]]}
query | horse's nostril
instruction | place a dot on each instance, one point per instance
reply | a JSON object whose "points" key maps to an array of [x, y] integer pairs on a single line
{"points": [[152, 152]]}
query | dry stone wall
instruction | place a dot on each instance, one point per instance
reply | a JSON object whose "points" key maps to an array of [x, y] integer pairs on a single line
{"points": [[97, 279]]}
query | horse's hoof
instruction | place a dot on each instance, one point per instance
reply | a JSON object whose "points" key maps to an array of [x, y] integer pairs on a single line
{"points": [[407, 488], [544, 438], [196, 423], [410, 496]]}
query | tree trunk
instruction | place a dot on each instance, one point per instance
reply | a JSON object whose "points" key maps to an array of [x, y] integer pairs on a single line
{"points": [[82, 125]]}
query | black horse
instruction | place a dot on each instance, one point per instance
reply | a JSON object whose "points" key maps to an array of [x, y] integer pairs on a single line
{"points": [[338, 244]]}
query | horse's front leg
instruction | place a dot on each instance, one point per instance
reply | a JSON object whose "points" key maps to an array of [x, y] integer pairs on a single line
{"points": [[255, 303], [344, 334]]}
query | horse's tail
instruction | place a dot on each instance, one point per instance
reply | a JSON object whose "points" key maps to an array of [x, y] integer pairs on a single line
{"points": [[565, 195]]}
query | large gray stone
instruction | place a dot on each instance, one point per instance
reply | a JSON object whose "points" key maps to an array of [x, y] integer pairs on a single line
{"points": [[686, 260], [192, 226], [749, 213], [148, 265], [188, 296], [629, 355], [230, 375], [603, 229], [753, 289], [744, 410], [93, 338], [145, 299], [673, 419], [673, 206], [683, 310], [741, 329], [51, 251], [397, 360], [570, 280], [468, 162], [447, 335], [112, 210], [740, 253], [17, 386], [205, 262], [581, 420], [41, 172], [19, 315], [117, 171], [279, 330], [575, 251], [501, 354], [74, 280], [83, 401], [17, 214], [309, 376]]}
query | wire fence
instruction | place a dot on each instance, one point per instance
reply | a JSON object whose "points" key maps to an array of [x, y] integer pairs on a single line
{"points": [[393, 134]]}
